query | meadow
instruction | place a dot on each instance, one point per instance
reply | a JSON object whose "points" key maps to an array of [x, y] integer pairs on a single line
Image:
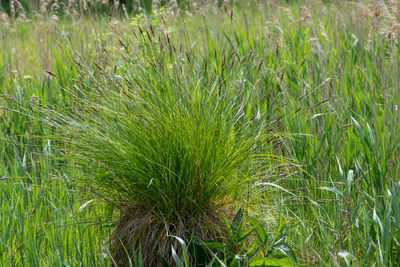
{"points": [[226, 133]]}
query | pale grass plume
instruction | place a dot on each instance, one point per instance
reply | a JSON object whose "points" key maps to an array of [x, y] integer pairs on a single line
{"points": [[4, 18], [55, 7], [18, 11], [363, 11], [12, 8], [305, 14], [43, 6]]}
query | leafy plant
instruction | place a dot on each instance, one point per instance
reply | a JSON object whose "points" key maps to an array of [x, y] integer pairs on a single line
{"points": [[251, 245]]}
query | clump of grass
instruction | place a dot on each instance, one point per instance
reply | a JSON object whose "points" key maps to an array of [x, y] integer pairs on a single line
{"points": [[165, 163], [168, 150]]}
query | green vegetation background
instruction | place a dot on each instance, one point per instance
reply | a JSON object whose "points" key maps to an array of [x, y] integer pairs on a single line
{"points": [[330, 72]]}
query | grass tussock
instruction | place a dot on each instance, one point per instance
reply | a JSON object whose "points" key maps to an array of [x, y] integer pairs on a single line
{"points": [[170, 147]]}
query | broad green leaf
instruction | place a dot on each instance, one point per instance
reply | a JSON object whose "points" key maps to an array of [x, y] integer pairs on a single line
{"points": [[386, 229], [377, 220], [349, 181], [237, 220], [214, 245], [260, 230], [229, 229], [84, 205], [184, 249], [285, 248], [355, 212], [247, 233], [176, 258], [252, 250], [395, 205], [345, 255], [340, 168], [333, 190]]}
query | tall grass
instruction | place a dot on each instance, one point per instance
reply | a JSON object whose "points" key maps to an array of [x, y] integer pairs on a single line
{"points": [[325, 76]]}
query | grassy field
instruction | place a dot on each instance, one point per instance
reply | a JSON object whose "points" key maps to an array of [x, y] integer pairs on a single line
{"points": [[285, 111]]}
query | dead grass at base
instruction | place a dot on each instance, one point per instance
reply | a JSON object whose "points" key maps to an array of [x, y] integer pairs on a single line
{"points": [[138, 227]]}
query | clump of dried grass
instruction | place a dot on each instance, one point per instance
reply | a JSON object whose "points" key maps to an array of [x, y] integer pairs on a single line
{"points": [[138, 229]]}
